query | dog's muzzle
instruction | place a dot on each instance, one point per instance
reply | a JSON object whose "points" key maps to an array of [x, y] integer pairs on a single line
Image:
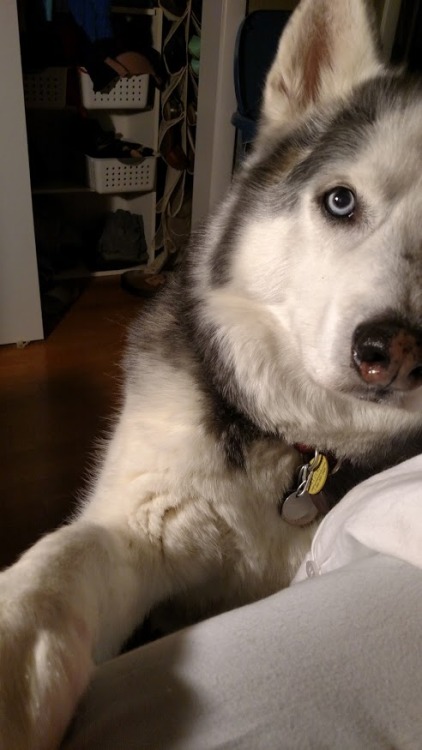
{"points": [[388, 354]]}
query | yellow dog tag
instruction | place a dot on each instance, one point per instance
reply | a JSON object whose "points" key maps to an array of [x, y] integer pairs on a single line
{"points": [[319, 473]]}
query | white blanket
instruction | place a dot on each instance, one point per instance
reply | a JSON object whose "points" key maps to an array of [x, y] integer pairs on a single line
{"points": [[334, 662], [383, 514]]}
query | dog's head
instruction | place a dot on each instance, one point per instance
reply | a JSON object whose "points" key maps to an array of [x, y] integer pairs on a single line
{"points": [[322, 235]]}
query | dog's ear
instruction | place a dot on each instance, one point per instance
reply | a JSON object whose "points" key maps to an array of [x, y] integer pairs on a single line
{"points": [[327, 47]]}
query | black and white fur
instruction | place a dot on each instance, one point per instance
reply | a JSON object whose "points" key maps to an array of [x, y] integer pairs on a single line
{"points": [[247, 353]]}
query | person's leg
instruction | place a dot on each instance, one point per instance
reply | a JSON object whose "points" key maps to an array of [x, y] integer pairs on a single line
{"points": [[334, 662]]}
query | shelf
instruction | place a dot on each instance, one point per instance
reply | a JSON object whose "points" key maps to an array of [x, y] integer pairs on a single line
{"points": [[60, 188], [65, 189], [87, 215], [132, 10], [83, 272]]}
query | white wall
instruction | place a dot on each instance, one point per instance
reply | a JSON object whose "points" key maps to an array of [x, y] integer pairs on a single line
{"points": [[215, 134], [20, 309]]}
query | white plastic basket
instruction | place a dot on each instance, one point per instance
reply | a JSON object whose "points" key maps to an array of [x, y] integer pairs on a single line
{"points": [[121, 176], [45, 89], [124, 93]]}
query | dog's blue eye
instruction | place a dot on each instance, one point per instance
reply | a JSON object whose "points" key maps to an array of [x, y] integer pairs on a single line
{"points": [[340, 202]]}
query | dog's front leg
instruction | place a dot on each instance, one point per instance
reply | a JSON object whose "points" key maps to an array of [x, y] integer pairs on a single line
{"points": [[72, 598]]}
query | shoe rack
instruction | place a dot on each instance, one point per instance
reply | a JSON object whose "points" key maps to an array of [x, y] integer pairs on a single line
{"points": [[61, 188], [81, 191], [73, 194]]}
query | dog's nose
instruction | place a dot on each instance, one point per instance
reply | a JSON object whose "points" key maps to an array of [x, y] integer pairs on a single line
{"points": [[387, 353]]}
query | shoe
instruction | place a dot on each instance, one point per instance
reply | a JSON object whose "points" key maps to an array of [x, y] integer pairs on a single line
{"points": [[142, 284]]}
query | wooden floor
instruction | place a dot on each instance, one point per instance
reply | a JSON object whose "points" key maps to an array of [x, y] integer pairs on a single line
{"points": [[56, 397]]}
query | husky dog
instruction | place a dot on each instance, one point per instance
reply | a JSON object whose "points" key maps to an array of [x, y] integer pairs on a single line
{"points": [[294, 326]]}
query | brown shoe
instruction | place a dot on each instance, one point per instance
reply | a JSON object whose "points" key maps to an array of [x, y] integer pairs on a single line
{"points": [[142, 284]]}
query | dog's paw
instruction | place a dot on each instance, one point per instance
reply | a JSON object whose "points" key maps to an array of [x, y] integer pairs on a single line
{"points": [[44, 666]]}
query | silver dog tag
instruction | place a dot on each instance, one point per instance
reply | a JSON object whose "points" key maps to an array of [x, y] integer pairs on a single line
{"points": [[299, 510]]}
